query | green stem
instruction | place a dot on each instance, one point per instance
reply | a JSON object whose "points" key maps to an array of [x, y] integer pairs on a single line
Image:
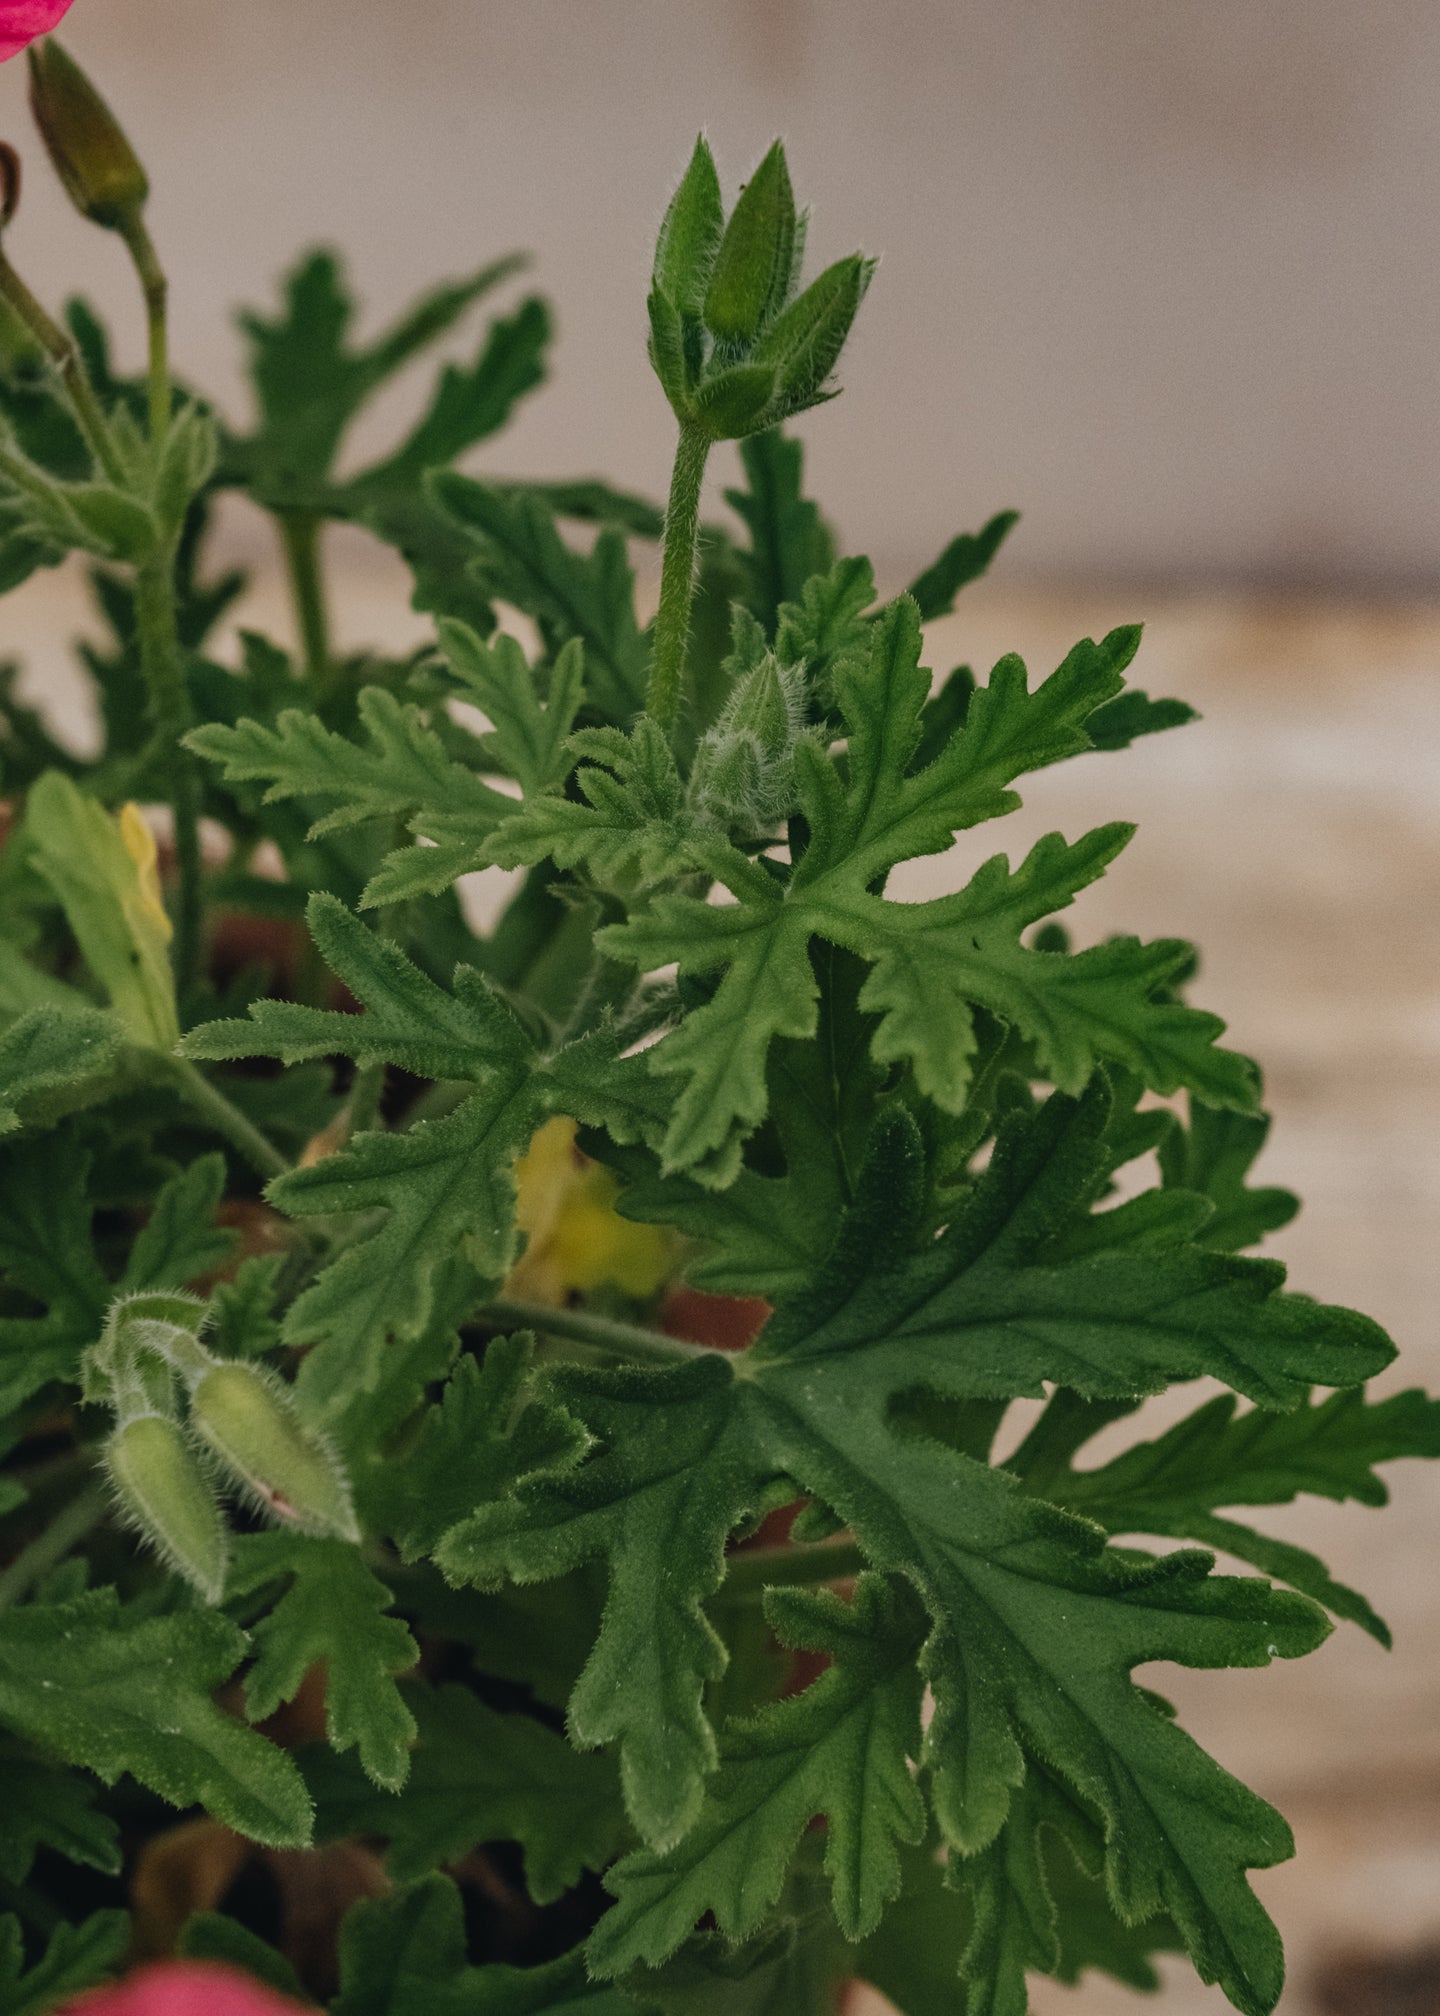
{"points": [[141, 248], [627, 1340], [677, 578], [366, 1094], [228, 1121], [300, 532], [164, 667], [69, 367], [752, 1570], [66, 1530]]}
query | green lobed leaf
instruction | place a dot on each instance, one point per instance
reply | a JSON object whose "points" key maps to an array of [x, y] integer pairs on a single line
{"points": [[445, 1186], [842, 1748], [47, 1254], [1035, 1625], [119, 1693], [47, 1806], [332, 1612], [521, 558], [46, 1051], [931, 962], [477, 1776], [405, 1955], [76, 1957]]}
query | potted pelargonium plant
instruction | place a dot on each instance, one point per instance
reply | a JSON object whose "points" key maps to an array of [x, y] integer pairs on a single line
{"points": [[514, 1413]]}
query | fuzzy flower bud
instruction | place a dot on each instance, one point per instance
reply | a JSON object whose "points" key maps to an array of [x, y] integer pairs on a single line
{"points": [[249, 1420], [744, 771], [100, 170], [163, 1490]]}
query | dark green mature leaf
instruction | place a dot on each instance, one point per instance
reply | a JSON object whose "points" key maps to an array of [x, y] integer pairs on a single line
{"points": [[1036, 1903], [446, 1186], [46, 1806], [789, 540], [469, 403], [931, 962], [1035, 1625], [488, 1428], [1212, 1156], [310, 381], [964, 560], [983, 1313], [521, 558], [46, 1253], [333, 1611], [77, 1957], [180, 1239], [769, 1234], [842, 1748], [208, 1935], [477, 1776], [45, 1052], [117, 1693], [405, 1955], [1212, 1459]]}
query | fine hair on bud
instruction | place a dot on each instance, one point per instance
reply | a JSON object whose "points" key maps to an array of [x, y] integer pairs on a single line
{"points": [[162, 1491], [247, 1419], [744, 770]]}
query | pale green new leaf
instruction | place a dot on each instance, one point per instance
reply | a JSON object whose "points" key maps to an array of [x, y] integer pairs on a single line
{"points": [[333, 1611]]}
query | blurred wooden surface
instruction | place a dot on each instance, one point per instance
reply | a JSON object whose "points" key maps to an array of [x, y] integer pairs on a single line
{"points": [[1294, 832]]}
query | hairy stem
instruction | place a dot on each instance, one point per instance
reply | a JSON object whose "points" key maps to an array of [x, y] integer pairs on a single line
{"points": [[677, 578], [210, 1103], [627, 1340], [164, 668], [66, 1530], [300, 532], [59, 346], [153, 283]]}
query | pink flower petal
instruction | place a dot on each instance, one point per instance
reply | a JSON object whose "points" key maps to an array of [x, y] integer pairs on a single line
{"points": [[183, 1988], [22, 20]]}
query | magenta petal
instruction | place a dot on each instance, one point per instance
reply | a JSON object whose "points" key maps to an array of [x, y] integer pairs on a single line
{"points": [[184, 1988], [22, 20]]}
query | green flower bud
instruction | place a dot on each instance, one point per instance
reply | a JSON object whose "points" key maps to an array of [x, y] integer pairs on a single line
{"points": [[690, 235], [249, 1420], [163, 1490], [754, 266], [98, 166], [744, 769], [804, 345], [735, 402]]}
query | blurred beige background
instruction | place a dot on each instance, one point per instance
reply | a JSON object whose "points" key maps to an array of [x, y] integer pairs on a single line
{"points": [[1163, 274], [1168, 277]]}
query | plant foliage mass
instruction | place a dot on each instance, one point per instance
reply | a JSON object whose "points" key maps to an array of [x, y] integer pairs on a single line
{"points": [[366, 1478]]}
